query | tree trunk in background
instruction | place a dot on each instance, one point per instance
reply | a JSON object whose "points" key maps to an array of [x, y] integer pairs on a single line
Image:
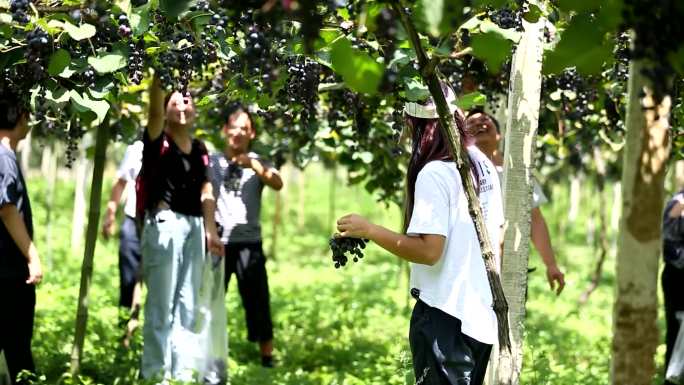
{"points": [[91, 237], [635, 334], [616, 212], [26, 153], [678, 175], [522, 120], [45, 160], [602, 246], [331, 199], [575, 197], [49, 203], [277, 218], [301, 201], [80, 169]]}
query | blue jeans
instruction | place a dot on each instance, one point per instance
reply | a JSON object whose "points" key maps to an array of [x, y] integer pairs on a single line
{"points": [[173, 255]]}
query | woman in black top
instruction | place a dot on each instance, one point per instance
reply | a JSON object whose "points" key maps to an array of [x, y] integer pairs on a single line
{"points": [[179, 218]]}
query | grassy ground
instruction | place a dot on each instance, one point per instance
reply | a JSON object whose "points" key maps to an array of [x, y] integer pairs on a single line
{"points": [[345, 326]]}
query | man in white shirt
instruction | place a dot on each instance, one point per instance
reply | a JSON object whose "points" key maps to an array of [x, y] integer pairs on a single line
{"points": [[129, 244], [485, 130]]}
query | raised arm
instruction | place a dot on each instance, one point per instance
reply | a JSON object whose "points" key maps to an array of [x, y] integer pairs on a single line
{"points": [[155, 122], [268, 175]]}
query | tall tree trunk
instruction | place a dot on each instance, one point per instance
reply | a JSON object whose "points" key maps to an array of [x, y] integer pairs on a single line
{"points": [[80, 195], [101, 142], [521, 128], [635, 334]]}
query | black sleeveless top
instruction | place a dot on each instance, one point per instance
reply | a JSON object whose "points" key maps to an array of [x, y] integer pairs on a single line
{"points": [[173, 176]]}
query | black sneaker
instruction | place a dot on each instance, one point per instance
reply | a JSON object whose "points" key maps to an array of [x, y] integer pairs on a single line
{"points": [[267, 361]]}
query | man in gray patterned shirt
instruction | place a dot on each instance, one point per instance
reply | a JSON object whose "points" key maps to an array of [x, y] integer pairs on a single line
{"points": [[238, 177]]}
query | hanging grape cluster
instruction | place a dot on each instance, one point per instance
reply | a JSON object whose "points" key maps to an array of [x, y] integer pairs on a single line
{"points": [[341, 247]]}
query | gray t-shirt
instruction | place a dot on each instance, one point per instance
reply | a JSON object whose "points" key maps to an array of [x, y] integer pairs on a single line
{"points": [[538, 196], [238, 198]]}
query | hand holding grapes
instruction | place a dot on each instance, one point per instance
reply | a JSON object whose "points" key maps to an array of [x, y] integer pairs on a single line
{"points": [[354, 226]]}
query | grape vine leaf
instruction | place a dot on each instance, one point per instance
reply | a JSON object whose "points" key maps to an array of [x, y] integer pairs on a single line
{"points": [[582, 45], [82, 32], [416, 91], [84, 104], [140, 20], [578, 5], [174, 8], [359, 71], [107, 63], [439, 17], [489, 3], [491, 47], [471, 100], [59, 61]]}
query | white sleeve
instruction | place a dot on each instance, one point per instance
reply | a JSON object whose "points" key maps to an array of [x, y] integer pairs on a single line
{"points": [[128, 169], [430, 213]]}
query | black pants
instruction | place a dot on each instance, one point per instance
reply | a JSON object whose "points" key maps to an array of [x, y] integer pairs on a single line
{"points": [[129, 261], [18, 302], [442, 354], [248, 262], [673, 295]]}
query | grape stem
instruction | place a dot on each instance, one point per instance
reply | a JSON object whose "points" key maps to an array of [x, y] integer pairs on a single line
{"points": [[430, 76]]}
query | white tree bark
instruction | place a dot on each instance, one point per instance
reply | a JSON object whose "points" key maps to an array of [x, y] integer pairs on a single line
{"points": [[635, 334], [45, 160], [521, 127], [617, 206], [678, 175]]}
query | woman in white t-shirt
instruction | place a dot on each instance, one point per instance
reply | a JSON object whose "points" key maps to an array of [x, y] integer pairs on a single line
{"points": [[453, 325]]}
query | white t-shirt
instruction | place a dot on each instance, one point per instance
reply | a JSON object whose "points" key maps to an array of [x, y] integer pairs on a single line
{"points": [[128, 171], [457, 284], [538, 196]]}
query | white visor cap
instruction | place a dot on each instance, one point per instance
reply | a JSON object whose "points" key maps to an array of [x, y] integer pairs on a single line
{"points": [[429, 110]]}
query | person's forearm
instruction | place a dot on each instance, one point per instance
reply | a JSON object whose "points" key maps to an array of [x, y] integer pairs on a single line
{"points": [[155, 122], [267, 175], [541, 239], [115, 196], [208, 208], [412, 249], [14, 223]]}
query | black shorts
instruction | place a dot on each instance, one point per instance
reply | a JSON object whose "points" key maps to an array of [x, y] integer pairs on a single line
{"points": [[442, 354], [248, 262], [673, 287], [16, 325]]}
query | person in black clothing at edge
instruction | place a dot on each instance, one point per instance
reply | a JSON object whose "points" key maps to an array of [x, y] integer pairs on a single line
{"points": [[20, 268], [673, 272]]}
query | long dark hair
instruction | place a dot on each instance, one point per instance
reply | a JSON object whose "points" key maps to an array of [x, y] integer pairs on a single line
{"points": [[428, 144]]}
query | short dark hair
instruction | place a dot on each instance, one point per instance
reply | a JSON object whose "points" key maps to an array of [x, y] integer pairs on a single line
{"points": [[480, 110], [237, 106], [11, 109]]}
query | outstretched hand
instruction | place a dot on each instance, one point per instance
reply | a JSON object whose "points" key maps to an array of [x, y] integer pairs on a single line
{"points": [[353, 226], [556, 279]]}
